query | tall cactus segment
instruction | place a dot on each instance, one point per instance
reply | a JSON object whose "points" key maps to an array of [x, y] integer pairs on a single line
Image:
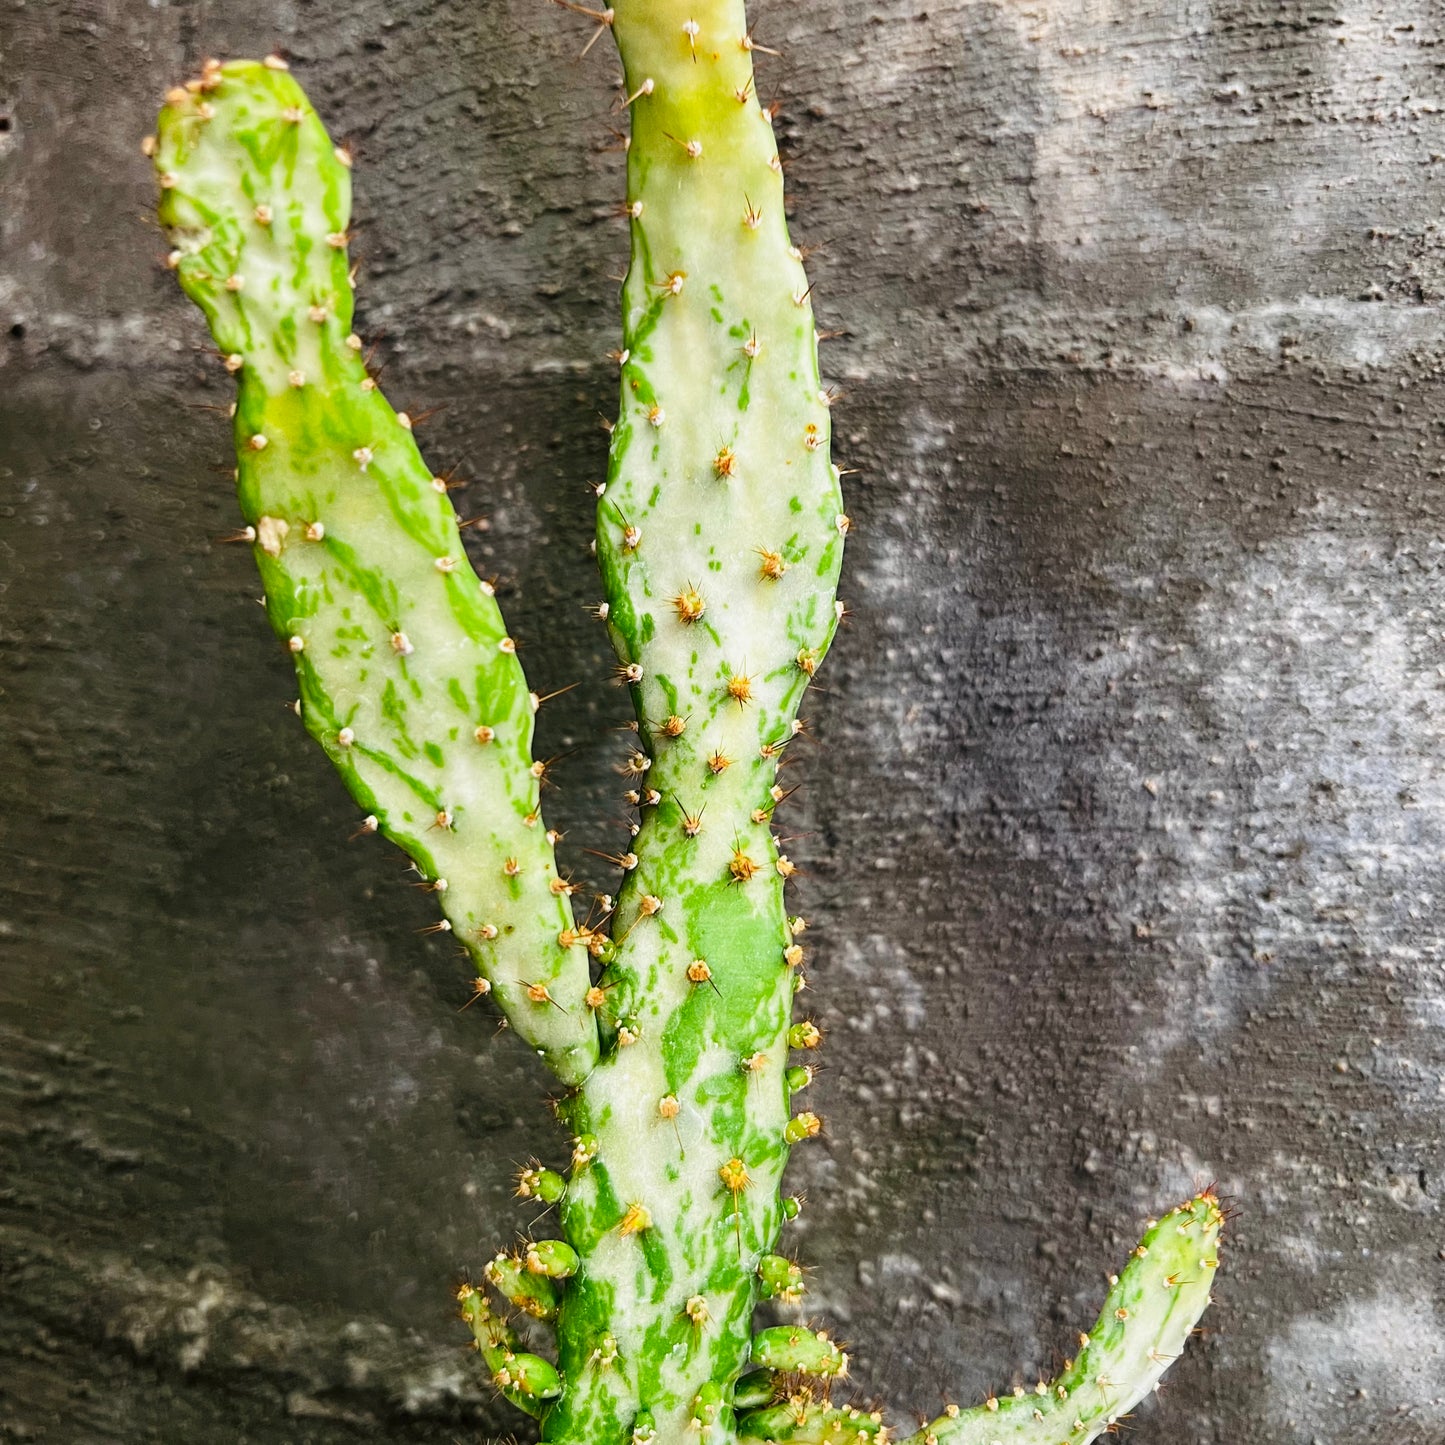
{"points": [[719, 535], [407, 676]]}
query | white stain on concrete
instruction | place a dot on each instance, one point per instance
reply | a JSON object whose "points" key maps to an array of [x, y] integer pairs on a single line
{"points": [[1379, 1359], [1303, 805]]}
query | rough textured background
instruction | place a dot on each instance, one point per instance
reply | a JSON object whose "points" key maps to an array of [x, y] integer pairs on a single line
{"points": [[1124, 841]]}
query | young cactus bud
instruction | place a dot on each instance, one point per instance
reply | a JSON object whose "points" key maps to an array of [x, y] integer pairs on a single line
{"points": [[801, 1351], [533, 1294], [804, 1035], [553, 1258], [529, 1376], [806, 1125], [754, 1390], [782, 1279], [526, 1380], [535, 1182]]}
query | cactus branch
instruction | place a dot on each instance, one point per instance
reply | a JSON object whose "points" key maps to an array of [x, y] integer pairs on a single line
{"points": [[1150, 1311], [801, 1419], [720, 536], [408, 678]]}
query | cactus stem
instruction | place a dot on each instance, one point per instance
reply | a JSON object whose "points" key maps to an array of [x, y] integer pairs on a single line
{"points": [[410, 682]]}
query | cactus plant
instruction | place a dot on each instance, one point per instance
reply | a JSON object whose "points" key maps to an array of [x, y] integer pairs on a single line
{"points": [[719, 535]]}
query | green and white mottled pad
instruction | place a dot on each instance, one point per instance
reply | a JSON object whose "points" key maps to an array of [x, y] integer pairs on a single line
{"points": [[719, 535], [407, 675], [1147, 1318]]}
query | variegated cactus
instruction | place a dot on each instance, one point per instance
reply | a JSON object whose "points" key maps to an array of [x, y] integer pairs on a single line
{"points": [[719, 533]]}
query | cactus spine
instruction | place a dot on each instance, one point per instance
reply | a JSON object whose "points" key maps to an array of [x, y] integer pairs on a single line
{"points": [[719, 535]]}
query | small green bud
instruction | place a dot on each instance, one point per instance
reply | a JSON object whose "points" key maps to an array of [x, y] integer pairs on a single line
{"points": [[552, 1257], [754, 1390], [803, 1351], [529, 1375], [535, 1182], [780, 1277], [802, 1126], [798, 1077], [804, 1035], [792, 1206]]}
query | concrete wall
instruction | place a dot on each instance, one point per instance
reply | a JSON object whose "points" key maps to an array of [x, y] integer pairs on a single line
{"points": [[1123, 840]]}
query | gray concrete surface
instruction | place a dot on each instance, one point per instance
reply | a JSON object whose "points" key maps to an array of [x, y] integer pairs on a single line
{"points": [[1123, 839]]}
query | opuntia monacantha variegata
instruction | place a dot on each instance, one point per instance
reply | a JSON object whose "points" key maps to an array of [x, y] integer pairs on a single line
{"points": [[720, 535]]}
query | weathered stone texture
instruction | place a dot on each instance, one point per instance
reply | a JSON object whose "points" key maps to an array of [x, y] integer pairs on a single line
{"points": [[1124, 842]]}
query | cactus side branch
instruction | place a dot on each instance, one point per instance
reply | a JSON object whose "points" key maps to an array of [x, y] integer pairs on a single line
{"points": [[408, 678]]}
